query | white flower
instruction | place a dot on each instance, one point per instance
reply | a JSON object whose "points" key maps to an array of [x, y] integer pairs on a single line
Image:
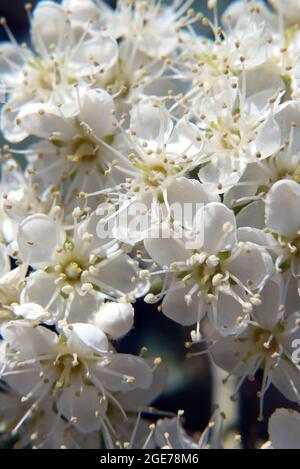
{"points": [[138, 70], [74, 152], [48, 75], [160, 155], [146, 160], [75, 270], [76, 367], [238, 132], [212, 62], [265, 343], [149, 27], [260, 176], [284, 429], [215, 276], [42, 427]]}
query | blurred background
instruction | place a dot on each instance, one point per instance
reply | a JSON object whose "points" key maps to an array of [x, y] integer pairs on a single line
{"points": [[190, 381]]}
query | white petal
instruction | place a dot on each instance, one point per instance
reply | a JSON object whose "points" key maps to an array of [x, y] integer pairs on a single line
{"points": [[268, 313], [86, 337], [90, 226], [104, 51], [82, 406], [286, 379], [115, 319], [151, 124], [218, 224], [283, 208], [83, 307], [252, 178], [291, 10], [9, 113], [175, 307], [132, 225], [38, 236], [96, 108], [81, 12], [165, 251], [10, 285], [257, 236], [237, 14], [41, 289], [177, 438], [292, 301], [158, 46], [262, 78], [30, 311], [10, 55], [268, 139], [222, 174], [23, 383], [44, 120], [227, 354], [138, 398], [229, 314], [284, 426], [51, 31], [29, 341], [186, 197], [184, 140], [253, 215], [125, 366], [251, 265], [118, 273]]}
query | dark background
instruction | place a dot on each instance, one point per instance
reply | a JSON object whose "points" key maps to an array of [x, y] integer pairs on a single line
{"points": [[189, 385]]}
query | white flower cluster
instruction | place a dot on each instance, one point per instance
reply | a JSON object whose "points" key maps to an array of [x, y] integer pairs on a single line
{"points": [[144, 160]]}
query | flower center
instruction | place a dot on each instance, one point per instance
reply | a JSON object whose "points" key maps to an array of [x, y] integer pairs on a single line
{"points": [[229, 136], [265, 342], [66, 365], [73, 271], [204, 272], [155, 173], [83, 149], [214, 67], [45, 76]]}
